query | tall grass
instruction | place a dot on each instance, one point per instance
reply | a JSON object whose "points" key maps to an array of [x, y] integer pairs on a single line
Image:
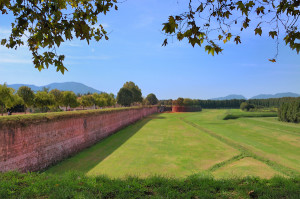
{"points": [[76, 185]]}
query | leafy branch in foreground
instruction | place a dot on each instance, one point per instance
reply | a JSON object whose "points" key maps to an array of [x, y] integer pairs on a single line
{"points": [[46, 24], [214, 22]]}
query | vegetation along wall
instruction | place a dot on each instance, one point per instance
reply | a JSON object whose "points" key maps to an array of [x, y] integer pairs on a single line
{"points": [[32, 143]]}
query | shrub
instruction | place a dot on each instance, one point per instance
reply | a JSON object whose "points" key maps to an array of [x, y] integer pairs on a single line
{"points": [[289, 111]]}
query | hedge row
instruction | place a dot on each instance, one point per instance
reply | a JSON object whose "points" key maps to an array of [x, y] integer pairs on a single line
{"points": [[39, 117], [289, 111]]}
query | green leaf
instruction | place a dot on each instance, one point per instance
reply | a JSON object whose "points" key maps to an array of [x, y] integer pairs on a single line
{"points": [[237, 39], [258, 31], [272, 34], [3, 42]]}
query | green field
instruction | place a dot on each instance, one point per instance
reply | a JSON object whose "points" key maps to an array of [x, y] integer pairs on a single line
{"points": [[181, 144]]}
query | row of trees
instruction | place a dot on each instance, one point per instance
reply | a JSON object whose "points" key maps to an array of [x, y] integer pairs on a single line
{"points": [[233, 103], [271, 102], [290, 111], [46, 99], [129, 94], [203, 103]]}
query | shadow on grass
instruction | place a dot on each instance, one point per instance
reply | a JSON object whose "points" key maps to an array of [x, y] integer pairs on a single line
{"points": [[91, 157]]}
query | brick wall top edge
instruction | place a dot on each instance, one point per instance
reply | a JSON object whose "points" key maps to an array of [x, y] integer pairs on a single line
{"points": [[24, 120]]}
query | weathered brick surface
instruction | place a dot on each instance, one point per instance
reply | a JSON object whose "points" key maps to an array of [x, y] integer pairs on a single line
{"points": [[37, 146]]}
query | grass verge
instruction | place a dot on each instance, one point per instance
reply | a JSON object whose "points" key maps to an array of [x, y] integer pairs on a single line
{"points": [[76, 185], [240, 114], [39, 117]]}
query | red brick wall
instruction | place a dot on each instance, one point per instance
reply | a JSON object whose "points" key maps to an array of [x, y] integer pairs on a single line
{"points": [[186, 108], [39, 145]]}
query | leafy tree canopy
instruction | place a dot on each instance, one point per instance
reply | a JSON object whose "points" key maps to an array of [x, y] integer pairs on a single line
{"points": [[152, 99], [27, 95], [136, 91], [58, 97], [8, 98], [124, 97], [46, 24], [178, 102], [210, 23], [245, 106], [69, 99], [43, 100], [86, 100]]}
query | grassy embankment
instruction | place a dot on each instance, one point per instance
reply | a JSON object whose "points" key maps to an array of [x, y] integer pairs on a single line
{"points": [[174, 146], [181, 144], [26, 119]]}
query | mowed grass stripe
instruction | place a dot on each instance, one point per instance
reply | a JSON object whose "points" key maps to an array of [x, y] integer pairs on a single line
{"points": [[294, 130], [276, 146], [158, 145], [246, 166], [241, 144]]}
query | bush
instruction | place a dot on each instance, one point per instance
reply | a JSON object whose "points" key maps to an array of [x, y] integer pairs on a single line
{"points": [[246, 106], [289, 111]]}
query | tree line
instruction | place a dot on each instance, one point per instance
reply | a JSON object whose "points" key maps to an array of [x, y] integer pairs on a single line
{"points": [[290, 111], [54, 100], [233, 103]]}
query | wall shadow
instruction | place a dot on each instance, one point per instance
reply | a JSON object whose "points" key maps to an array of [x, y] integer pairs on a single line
{"points": [[90, 157]]}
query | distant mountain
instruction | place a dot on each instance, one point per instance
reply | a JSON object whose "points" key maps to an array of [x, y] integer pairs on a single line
{"points": [[229, 97], [76, 87], [277, 95]]}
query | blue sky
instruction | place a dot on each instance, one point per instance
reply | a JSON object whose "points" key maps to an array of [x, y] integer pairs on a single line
{"points": [[134, 53]]}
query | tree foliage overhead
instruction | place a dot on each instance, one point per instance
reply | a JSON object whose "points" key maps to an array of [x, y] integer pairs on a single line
{"points": [[46, 24], [210, 23]]}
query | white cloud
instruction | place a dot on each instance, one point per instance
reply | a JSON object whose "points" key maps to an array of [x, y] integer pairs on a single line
{"points": [[15, 60]]}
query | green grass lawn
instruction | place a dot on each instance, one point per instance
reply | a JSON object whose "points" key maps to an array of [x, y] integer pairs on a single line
{"points": [[180, 144]]}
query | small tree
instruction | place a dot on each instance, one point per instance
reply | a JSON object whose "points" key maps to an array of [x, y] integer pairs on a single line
{"points": [[86, 101], [57, 96], [136, 91], [100, 100], [7, 98], [27, 95], [69, 99], [124, 97], [179, 101], [246, 106], [43, 100], [112, 101], [152, 99], [188, 102]]}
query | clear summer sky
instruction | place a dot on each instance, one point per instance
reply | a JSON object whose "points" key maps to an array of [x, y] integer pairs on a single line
{"points": [[134, 53]]}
